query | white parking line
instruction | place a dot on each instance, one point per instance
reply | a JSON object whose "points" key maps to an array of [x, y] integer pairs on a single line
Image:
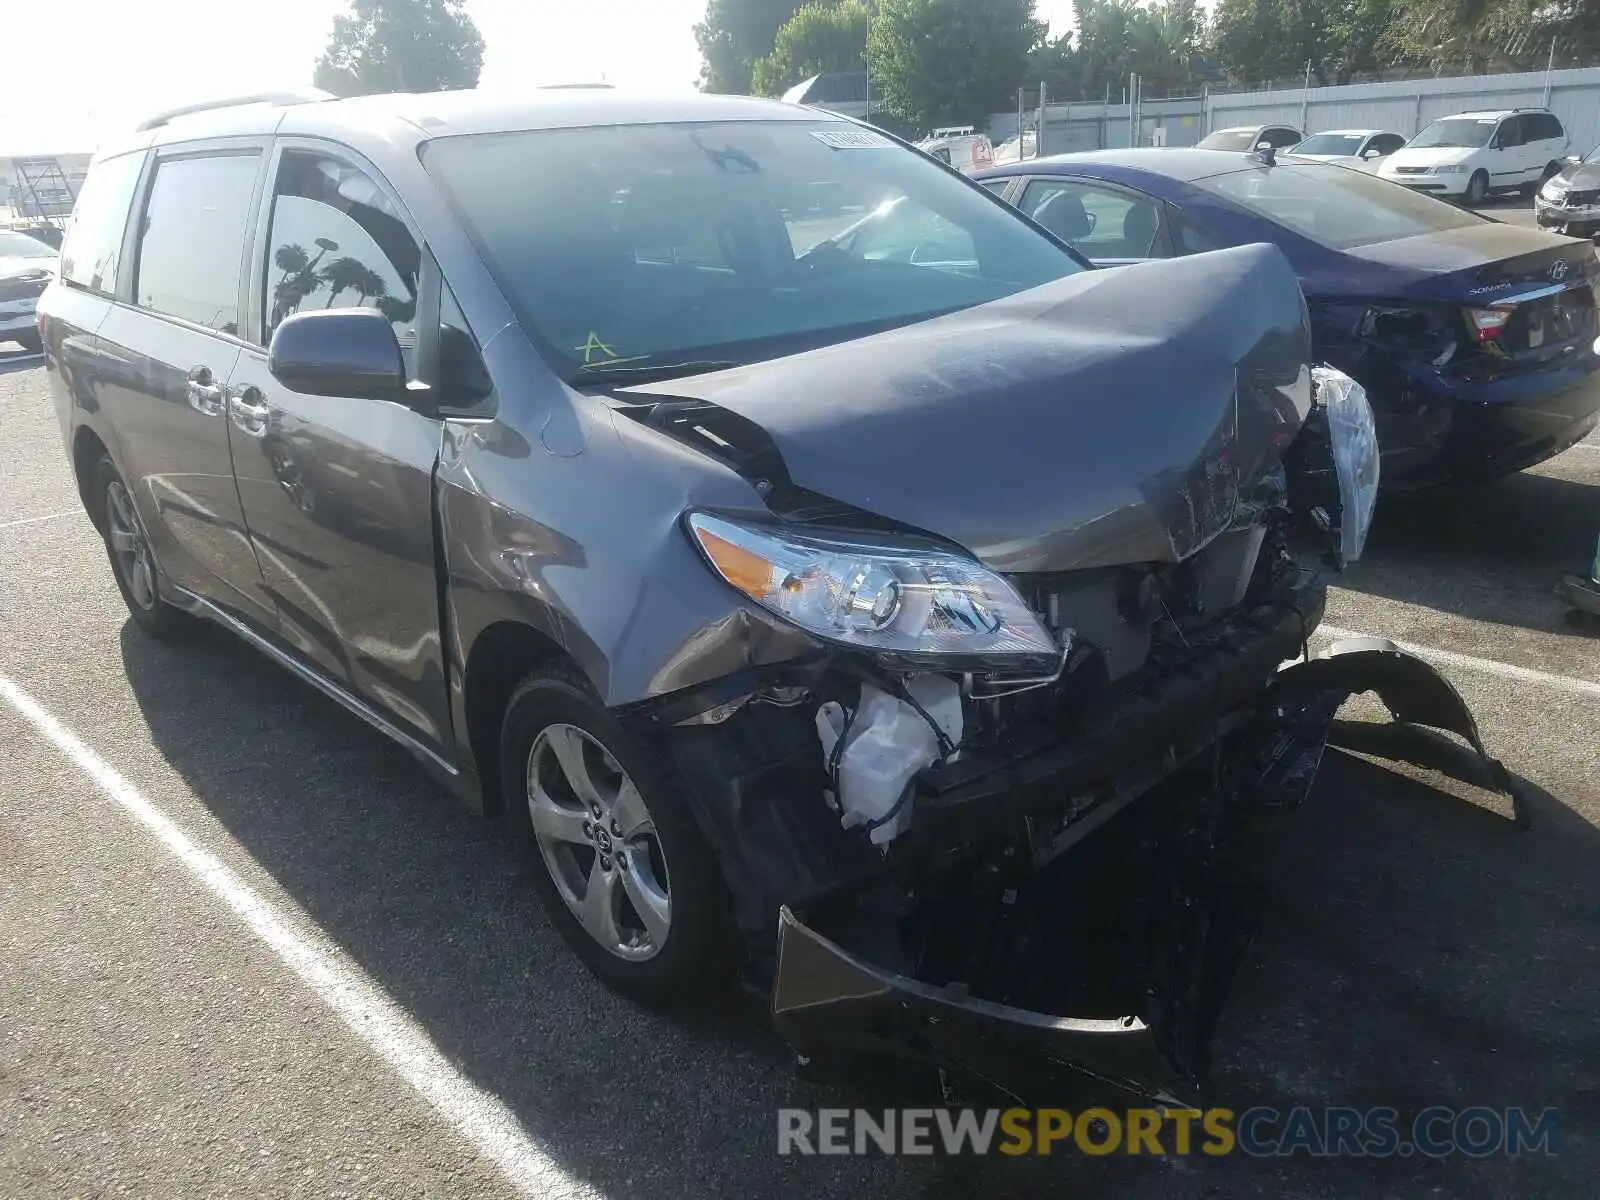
{"points": [[55, 516], [1485, 666], [359, 1003]]}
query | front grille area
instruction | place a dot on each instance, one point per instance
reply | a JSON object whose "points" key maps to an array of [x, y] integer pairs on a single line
{"points": [[1582, 199], [22, 289], [1411, 170]]}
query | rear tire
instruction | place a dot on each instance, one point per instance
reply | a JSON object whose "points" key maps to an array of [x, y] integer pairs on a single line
{"points": [[1477, 190], [133, 565], [636, 893]]}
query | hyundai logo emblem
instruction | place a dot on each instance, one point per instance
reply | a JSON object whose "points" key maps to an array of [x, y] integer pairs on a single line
{"points": [[1558, 269]]}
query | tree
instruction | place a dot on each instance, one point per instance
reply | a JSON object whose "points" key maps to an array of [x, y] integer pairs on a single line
{"points": [[1258, 40], [946, 61], [401, 46], [823, 36], [733, 35]]}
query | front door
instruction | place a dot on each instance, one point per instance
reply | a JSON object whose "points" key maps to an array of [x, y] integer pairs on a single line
{"points": [[337, 492], [165, 359]]}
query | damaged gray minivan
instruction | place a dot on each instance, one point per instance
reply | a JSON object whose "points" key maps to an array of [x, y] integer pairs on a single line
{"points": [[819, 598]]}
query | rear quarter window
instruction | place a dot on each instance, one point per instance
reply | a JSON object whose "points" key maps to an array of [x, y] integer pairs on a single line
{"points": [[92, 250]]}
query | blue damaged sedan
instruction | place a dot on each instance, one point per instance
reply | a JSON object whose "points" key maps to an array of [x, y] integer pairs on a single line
{"points": [[1475, 340]]}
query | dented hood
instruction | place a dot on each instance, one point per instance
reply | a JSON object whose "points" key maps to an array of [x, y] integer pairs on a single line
{"points": [[1112, 416]]}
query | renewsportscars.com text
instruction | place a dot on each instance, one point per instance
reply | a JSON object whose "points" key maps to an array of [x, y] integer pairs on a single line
{"points": [[1437, 1132]]}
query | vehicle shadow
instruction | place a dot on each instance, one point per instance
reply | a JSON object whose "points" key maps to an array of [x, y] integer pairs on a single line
{"points": [[19, 362], [1418, 951], [1492, 553]]}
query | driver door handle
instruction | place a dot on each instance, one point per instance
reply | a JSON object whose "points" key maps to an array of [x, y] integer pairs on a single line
{"points": [[204, 393], [250, 412]]}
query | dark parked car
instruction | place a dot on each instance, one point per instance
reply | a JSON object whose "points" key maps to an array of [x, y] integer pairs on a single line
{"points": [[762, 586], [1569, 201], [1475, 340]]}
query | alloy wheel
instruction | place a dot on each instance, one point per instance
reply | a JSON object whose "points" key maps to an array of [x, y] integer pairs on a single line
{"points": [[599, 842], [129, 546]]}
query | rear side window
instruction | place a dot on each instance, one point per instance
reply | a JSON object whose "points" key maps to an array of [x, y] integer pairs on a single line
{"points": [[191, 245], [93, 246], [1540, 127]]}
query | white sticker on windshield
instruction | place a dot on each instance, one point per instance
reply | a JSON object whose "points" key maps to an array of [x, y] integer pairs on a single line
{"points": [[852, 139]]}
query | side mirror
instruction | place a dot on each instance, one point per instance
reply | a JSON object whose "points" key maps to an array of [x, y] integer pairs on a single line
{"points": [[349, 352], [1573, 160], [1371, 152], [1263, 145]]}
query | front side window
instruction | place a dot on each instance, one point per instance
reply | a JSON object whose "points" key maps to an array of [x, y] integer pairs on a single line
{"points": [[1387, 143], [93, 245], [337, 241], [191, 245], [1280, 137], [1338, 208], [1463, 132], [1511, 133], [1099, 222], [641, 246]]}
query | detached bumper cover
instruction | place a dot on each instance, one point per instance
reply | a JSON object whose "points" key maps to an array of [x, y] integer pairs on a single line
{"points": [[824, 995]]}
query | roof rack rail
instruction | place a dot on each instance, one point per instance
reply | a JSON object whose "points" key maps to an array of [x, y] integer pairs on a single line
{"points": [[293, 96]]}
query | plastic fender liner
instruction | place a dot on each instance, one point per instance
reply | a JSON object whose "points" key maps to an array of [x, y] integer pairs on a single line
{"points": [[825, 996], [1412, 691]]}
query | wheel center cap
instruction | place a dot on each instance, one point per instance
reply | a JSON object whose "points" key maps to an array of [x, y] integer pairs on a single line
{"points": [[602, 838]]}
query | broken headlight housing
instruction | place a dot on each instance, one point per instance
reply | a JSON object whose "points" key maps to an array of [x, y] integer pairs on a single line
{"points": [[1354, 441], [919, 605]]}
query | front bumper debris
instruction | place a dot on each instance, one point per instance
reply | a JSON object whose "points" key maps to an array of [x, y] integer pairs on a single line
{"points": [[1194, 922]]}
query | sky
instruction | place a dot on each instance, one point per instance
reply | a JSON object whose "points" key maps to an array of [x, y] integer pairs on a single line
{"points": [[124, 61]]}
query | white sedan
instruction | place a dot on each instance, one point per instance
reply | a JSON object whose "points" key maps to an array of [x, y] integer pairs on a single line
{"points": [[1360, 148]]}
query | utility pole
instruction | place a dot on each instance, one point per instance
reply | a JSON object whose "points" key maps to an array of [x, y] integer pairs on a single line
{"points": [[1038, 138], [1022, 149], [1549, 66], [1305, 98]]}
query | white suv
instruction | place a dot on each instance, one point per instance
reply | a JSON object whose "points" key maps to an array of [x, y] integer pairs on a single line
{"points": [[1472, 154]]}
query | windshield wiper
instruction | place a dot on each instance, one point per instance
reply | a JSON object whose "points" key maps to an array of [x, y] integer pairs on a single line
{"points": [[648, 372]]}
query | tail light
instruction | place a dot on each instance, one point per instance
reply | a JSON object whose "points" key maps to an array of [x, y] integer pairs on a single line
{"points": [[1487, 323]]}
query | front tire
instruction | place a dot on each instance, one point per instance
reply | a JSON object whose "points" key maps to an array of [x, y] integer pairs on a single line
{"points": [[132, 562], [30, 342], [1477, 190], [616, 857]]}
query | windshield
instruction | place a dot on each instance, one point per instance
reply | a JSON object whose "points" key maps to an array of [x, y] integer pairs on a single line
{"points": [[1470, 132], [644, 245], [1339, 208], [1331, 143], [1229, 139], [20, 245]]}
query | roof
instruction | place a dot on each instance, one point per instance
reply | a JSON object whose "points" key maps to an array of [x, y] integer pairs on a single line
{"points": [[1347, 132], [1182, 163], [1484, 114], [445, 114]]}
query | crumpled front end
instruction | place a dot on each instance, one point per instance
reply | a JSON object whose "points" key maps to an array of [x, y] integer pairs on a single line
{"points": [[1103, 973], [1001, 815]]}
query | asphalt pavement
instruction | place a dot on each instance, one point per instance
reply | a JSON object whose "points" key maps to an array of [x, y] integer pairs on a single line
{"points": [[247, 949]]}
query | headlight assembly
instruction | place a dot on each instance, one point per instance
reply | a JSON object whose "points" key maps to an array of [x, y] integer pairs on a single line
{"points": [[1451, 169], [1354, 441], [904, 603]]}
